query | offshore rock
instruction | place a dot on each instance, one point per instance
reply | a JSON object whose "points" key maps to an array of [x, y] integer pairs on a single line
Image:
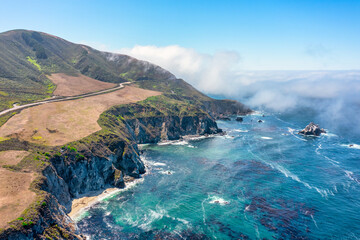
{"points": [[239, 119], [312, 130], [224, 118]]}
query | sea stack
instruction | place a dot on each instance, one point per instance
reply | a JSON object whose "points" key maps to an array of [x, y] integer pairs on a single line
{"points": [[312, 130], [239, 119]]}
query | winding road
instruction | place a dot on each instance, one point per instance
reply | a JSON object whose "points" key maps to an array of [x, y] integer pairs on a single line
{"points": [[60, 99]]}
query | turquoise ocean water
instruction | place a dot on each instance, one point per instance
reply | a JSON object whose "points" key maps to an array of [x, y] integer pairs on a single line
{"points": [[260, 181]]}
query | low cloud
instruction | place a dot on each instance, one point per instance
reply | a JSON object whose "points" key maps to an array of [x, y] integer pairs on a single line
{"points": [[204, 71], [333, 95]]}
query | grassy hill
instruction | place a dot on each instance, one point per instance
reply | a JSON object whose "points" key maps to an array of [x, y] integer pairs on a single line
{"points": [[27, 57], [59, 150]]}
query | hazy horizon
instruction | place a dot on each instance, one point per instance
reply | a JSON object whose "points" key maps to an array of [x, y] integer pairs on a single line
{"points": [[258, 35]]}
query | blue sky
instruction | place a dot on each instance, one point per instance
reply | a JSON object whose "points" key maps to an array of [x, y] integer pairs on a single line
{"points": [[265, 35]]}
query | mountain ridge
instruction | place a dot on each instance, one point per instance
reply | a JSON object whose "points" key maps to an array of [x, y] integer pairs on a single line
{"points": [[62, 56]]}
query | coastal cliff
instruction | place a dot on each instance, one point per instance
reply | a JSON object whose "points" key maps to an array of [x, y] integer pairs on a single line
{"points": [[104, 158], [101, 161]]}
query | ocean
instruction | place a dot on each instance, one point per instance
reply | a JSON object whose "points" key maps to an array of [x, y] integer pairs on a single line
{"points": [[260, 181]]}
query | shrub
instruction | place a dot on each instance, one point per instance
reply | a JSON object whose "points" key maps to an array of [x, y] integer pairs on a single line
{"points": [[25, 224], [72, 149], [79, 156]]}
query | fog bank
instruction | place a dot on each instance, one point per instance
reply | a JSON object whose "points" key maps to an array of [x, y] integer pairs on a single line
{"points": [[333, 96]]}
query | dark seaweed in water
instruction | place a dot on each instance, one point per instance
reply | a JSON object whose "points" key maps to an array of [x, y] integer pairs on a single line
{"points": [[289, 219], [261, 184]]}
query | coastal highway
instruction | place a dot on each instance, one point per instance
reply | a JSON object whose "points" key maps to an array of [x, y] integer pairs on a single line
{"points": [[60, 99]]}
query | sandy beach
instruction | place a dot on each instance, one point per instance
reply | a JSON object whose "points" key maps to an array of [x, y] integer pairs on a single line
{"points": [[80, 205]]}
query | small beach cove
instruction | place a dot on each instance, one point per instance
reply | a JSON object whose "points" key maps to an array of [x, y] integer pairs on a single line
{"points": [[245, 184]]}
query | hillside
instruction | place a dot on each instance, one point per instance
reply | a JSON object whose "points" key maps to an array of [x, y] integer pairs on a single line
{"points": [[27, 58], [63, 148]]}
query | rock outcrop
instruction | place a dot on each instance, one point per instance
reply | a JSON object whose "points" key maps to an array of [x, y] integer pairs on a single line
{"points": [[103, 163], [219, 108], [224, 117], [239, 119], [156, 129], [105, 158], [50, 222], [312, 130]]}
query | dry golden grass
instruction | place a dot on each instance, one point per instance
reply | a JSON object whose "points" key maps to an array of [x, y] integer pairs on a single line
{"points": [[12, 157], [61, 122], [67, 85], [15, 195]]}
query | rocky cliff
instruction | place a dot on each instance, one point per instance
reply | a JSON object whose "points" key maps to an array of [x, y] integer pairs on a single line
{"points": [[104, 158], [50, 222], [101, 161]]}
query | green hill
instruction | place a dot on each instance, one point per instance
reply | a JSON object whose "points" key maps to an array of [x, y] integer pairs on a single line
{"points": [[26, 57], [107, 156]]}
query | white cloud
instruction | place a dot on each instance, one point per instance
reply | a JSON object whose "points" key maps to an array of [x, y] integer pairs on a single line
{"points": [[332, 95], [204, 71], [221, 73]]}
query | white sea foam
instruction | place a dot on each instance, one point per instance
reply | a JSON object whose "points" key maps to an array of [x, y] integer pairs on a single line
{"points": [[331, 160], [185, 222], [191, 146], [104, 196], [175, 142], [351, 176], [196, 137], [180, 143], [218, 200], [314, 221], [267, 138], [167, 172], [257, 113], [228, 136], [203, 210], [291, 131], [151, 217], [328, 134], [351, 146], [257, 231], [240, 130], [141, 146], [287, 173], [159, 164]]}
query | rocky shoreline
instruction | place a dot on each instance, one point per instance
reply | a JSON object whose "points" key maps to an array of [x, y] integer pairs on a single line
{"points": [[104, 167], [82, 203]]}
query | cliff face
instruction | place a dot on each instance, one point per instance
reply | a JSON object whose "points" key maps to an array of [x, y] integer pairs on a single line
{"points": [[70, 176], [105, 157], [98, 165], [155, 129], [218, 108], [51, 223]]}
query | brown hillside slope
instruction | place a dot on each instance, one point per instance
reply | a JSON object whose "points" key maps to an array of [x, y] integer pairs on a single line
{"points": [[67, 85], [15, 195], [61, 122]]}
